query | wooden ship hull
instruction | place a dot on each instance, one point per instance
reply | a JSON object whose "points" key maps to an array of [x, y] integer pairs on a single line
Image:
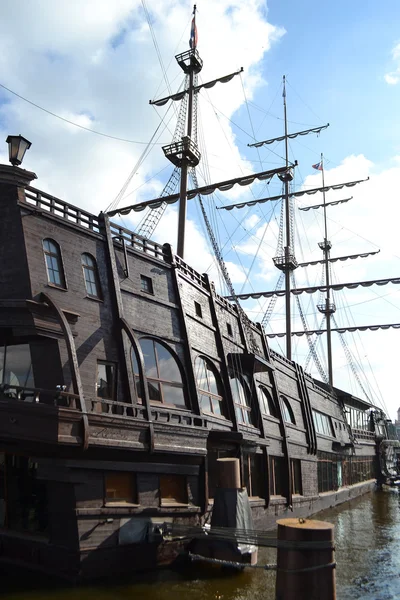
{"points": [[125, 376]]}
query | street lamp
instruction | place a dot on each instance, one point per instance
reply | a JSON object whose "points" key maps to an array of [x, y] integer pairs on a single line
{"points": [[17, 146]]}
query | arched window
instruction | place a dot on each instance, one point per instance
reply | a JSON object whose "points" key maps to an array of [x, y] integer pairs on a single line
{"points": [[267, 405], [91, 276], [52, 254], [164, 378], [209, 387], [287, 411], [241, 400]]}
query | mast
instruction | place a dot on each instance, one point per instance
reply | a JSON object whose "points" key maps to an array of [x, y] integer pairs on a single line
{"points": [[329, 307], [287, 263], [185, 162]]}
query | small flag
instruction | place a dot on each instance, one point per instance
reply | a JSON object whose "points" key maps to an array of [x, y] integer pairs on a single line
{"points": [[193, 35], [318, 166]]}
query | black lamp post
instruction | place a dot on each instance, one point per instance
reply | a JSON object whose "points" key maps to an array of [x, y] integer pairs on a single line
{"points": [[17, 146]]}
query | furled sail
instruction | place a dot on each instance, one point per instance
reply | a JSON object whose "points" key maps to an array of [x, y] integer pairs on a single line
{"points": [[338, 330], [326, 188], [337, 258], [319, 288], [203, 191], [290, 135], [179, 95]]}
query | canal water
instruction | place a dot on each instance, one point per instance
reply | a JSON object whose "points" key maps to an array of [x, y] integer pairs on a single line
{"points": [[367, 539]]}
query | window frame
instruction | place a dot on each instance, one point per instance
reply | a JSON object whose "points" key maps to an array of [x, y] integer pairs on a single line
{"points": [[148, 281], [296, 476], [92, 269], [198, 310], [238, 406], [158, 380], [229, 329], [254, 474], [60, 264], [174, 501], [134, 497], [265, 398], [114, 365], [287, 411], [211, 395]]}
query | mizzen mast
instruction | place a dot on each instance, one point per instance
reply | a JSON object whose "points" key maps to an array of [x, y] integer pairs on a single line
{"points": [[328, 308]]}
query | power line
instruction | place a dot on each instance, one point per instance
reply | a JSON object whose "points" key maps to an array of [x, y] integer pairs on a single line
{"points": [[49, 112]]}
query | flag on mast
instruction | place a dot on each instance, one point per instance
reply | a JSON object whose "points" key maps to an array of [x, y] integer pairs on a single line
{"points": [[193, 35], [318, 166]]}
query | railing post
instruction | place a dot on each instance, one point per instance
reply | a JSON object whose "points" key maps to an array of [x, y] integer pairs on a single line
{"points": [[305, 573]]}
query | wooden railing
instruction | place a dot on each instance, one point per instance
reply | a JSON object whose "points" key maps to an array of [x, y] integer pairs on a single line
{"points": [[40, 396], [137, 242], [59, 208], [363, 434], [190, 272], [102, 406]]}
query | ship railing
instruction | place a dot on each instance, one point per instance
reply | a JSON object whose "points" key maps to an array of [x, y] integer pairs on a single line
{"points": [[190, 272], [137, 242], [159, 414], [113, 407], [40, 396], [363, 434], [45, 202]]}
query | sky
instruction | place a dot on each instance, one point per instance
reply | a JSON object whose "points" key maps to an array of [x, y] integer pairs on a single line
{"points": [[97, 64]]}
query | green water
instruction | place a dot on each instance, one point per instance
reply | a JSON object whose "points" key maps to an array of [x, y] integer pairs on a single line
{"points": [[367, 537]]}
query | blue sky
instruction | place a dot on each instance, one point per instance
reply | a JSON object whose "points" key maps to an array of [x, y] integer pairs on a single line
{"points": [[99, 68]]}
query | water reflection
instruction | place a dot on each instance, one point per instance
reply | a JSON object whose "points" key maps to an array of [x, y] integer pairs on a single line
{"points": [[367, 533]]}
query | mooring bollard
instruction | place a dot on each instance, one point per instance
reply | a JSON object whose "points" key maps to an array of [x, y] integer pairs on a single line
{"points": [[305, 560]]}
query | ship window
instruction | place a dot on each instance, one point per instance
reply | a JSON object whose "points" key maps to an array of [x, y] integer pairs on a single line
{"points": [[164, 378], [295, 474], [106, 380], [120, 487], [91, 276], [323, 424], [229, 329], [254, 475], [173, 489], [267, 404], [209, 387], [287, 411], [16, 366], [146, 284], [197, 308], [276, 475], [55, 272], [241, 400]]}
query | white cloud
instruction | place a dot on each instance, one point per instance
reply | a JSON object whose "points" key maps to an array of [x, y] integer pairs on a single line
{"points": [[393, 77]]}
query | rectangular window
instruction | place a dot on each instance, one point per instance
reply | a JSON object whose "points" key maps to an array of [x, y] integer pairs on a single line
{"points": [[295, 473], [254, 475], [323, 424], [173, 489], [197, 308], [276, 470], [229, 329], [146, 284], [16, 366], [120, 487], [106, 380]]}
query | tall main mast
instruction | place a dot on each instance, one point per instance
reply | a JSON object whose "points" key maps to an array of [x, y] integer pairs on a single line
{"points": [[287, 263]]}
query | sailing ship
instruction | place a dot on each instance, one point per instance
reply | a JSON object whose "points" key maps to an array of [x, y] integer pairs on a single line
{"points": [[126, 377]]}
